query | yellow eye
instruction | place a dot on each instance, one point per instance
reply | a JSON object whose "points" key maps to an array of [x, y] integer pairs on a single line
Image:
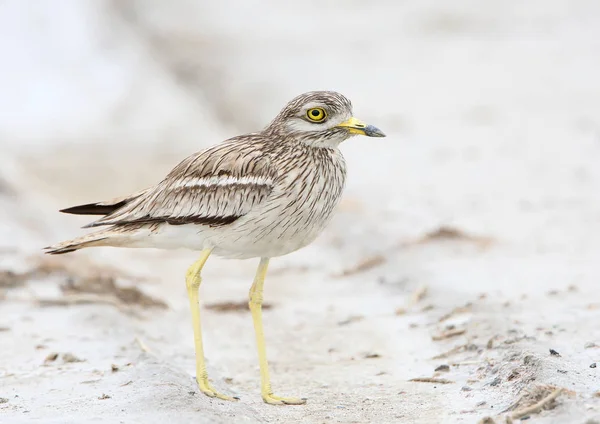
{"points": [[316, 114]]}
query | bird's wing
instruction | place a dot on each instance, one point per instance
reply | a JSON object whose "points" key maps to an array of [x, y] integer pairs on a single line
{"points": [[214, 187]]}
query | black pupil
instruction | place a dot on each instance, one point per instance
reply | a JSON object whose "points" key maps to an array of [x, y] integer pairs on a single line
{"points": [[315, 113]]}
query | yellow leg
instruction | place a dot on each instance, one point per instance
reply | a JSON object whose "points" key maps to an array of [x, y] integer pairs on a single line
{"points": [[192, 281], [256, 299]]}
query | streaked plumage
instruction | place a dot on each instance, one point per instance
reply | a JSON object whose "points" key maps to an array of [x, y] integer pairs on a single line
{"points": [[263, 194]]}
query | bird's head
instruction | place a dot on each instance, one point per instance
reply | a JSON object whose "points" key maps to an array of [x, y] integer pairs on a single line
{"points": [[320, 119]]}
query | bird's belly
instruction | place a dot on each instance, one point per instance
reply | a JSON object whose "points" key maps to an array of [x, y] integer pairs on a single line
{"points": [[282, 225], [273, 236]]}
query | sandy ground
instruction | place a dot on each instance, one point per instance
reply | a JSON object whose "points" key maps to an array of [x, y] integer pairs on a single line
{"points": [[466, 250]]}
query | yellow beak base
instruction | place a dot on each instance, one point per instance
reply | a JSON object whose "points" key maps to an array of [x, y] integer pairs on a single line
{"points": [[356, 126]]}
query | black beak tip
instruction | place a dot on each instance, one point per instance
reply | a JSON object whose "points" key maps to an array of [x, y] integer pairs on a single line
{"points": [[373, 131]]}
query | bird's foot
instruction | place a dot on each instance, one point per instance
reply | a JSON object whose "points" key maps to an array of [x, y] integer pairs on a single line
{"points": [[272, 399], [207, 389]]}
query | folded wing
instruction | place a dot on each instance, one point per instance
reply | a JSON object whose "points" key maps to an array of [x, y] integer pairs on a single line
{"points": [[214, 187]]}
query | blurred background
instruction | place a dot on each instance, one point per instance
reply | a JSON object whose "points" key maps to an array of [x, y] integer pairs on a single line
{"points": [[482, 202]]}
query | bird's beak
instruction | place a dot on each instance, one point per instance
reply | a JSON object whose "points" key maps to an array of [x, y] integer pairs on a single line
{"points": [[356, 126]]}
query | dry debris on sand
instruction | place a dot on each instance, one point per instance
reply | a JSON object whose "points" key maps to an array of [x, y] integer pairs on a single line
{"points": [[80, 285]]}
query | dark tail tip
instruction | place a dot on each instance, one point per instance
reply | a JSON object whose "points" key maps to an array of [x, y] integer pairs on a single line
{"points": [[93, 209], [58, 251]]}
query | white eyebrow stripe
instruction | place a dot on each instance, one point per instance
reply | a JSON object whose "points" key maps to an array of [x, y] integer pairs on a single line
{"points": [[222, 181]]}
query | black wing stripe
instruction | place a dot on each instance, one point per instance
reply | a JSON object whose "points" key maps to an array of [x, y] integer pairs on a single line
{"points": [[212, 221]]}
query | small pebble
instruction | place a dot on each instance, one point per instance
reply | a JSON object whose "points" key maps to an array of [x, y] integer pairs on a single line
{"points": [[69, 357], [51, 357], [495, 382], [444, 368]]}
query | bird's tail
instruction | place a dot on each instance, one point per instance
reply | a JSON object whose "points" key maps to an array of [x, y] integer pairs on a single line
{"points": [[96, 239]]}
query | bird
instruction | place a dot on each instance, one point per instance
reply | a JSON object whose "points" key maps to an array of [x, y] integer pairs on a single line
{"points": [[259, 195]]}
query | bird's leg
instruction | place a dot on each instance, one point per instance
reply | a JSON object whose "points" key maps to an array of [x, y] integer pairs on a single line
{"points": [[192, 281], [255, 303]]}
